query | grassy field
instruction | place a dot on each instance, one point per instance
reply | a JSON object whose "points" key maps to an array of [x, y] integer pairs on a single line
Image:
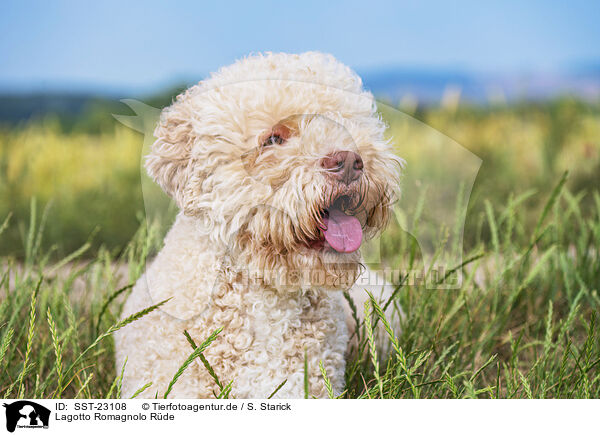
{"points": [[522, 325]]}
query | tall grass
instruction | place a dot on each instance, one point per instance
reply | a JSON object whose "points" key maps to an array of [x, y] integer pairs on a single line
{"points": [[524, 323], [56, 320]]}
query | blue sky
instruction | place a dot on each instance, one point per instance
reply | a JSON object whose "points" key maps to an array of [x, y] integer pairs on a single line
{"points": [[141, 45]]}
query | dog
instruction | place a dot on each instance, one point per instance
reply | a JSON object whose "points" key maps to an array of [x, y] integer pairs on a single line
{"points": [[280, 169]]}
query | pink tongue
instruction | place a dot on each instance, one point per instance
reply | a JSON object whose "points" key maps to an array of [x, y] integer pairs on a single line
{"points": [[343, 232]]}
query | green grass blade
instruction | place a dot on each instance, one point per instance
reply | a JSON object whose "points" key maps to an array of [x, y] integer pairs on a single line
{"points": [[306, 389], [553, 197], [191, 358], [141, 390], [106, 304], [277, 389], [372, 346], [328, 386], [114, 328], [57, 351], [205, 362]]}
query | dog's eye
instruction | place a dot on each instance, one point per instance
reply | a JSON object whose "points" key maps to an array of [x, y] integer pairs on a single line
{"points": [[275, 136], [274, 139]]}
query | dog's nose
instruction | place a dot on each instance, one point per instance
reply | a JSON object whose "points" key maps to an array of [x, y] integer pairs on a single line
{"points": [[344, 166]]}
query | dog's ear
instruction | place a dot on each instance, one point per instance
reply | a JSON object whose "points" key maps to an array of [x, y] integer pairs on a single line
{"points": [[169, 160]]}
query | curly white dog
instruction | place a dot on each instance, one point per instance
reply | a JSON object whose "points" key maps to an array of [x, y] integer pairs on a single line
{"points": [[280, 168]]}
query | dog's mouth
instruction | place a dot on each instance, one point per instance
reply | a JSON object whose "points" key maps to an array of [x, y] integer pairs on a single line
{"points": [[339, 228]]}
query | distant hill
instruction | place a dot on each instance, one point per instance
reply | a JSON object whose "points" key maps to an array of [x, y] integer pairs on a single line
{"points": [[89, 112], [15, 107], [429, 87]]}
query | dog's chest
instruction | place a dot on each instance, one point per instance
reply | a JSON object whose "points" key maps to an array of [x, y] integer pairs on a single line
{"points": [[267, 336], [277, 329], [290, 322]]}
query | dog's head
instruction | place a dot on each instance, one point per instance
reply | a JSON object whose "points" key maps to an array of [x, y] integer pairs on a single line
{"points": [[282, 159]]}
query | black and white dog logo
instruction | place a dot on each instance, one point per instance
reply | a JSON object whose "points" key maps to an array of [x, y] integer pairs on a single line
{"points": [[26, 414]]}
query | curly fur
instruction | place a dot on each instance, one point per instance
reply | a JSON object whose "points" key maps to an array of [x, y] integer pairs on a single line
{"points": [[239, 254]]}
